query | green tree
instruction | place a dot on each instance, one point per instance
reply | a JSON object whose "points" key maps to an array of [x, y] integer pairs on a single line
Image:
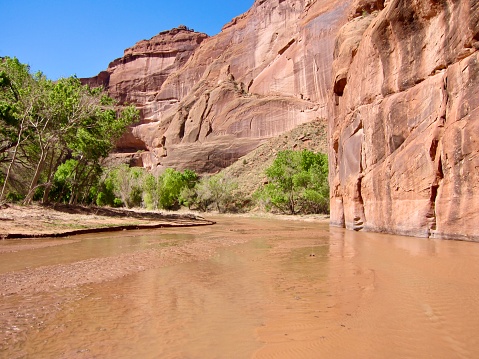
{"points": [[150, 191], [218, 191], [18, 91], [45, 123], [297, 183], [121, 185], [80, 122], [105, 193], [171, 184], [17, 88]]}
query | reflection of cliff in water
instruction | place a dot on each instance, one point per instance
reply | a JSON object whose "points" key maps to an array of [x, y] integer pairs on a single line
{"points": [[242, 288]]}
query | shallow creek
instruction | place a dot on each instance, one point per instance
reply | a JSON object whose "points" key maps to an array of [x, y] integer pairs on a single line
{"points": [[243, 288]]}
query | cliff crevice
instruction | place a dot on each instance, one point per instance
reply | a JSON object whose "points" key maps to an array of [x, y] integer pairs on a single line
{"points": [[413, 83]]}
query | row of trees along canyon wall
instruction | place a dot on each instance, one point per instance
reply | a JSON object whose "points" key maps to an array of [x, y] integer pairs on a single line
{"points": [[397, 80]]}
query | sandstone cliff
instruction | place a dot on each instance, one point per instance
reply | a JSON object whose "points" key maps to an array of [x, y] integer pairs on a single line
{"points": [[138, 76], [398, 81], [405, 119], [206, 101]]}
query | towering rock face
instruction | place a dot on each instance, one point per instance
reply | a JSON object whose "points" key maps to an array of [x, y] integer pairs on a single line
{"points": [[138, 76], [405, 119], [402, 98], [206, 101]]}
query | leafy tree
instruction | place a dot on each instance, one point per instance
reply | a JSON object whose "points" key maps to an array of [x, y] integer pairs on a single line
{"points": [[135, 187], [297, 183], [150, 191], [80, 122], [188, 197], [121, 185], [218, 191], [171, 184], [45, 123], [105, 193], [18, 90]]}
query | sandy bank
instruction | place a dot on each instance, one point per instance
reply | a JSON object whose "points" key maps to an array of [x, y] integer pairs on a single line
{"points": [[62, 220]]}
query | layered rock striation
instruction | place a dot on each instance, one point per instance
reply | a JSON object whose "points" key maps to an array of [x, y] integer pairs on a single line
{"points": [[398, 81], [138, 77], [206, 101], [404, 120]]}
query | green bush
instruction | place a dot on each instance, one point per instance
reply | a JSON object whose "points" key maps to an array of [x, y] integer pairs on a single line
{"points": [[14, 197], [117, 203], [220, 193], [135, 187], [150, 191], [297, 183]]}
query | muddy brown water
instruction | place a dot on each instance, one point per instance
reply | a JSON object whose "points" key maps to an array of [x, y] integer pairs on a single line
{"points": [[244, 288]]}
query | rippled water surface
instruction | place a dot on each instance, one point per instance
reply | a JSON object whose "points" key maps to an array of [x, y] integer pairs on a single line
{"points": [[244, 288]]}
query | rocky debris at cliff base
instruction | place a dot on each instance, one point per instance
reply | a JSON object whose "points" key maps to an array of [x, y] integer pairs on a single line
{"points": [[249, 170]]}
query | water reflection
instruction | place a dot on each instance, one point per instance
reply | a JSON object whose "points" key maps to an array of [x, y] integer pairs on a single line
{"points": [[85, 247], [290, 290]]}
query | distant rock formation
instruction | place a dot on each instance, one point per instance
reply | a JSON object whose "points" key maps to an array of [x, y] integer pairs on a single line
{"points": [[206, 101], [404, 130], [138, 77]]}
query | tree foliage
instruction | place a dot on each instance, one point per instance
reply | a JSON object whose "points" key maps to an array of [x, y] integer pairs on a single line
{"points": [[171, 185], [297, 183], [217, 192], [51, 129], [135, 187]]}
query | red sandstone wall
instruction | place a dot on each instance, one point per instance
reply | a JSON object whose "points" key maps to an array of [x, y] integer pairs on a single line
{"points": [[405, 120]]}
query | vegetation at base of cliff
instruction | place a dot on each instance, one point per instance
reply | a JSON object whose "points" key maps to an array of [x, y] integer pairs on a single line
{"points": [[297, 183], [54, 135], [250, 171], [135, 187]]}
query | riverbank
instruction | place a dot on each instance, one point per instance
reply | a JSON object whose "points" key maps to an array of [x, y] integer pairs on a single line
{"points": [[63, 220]]}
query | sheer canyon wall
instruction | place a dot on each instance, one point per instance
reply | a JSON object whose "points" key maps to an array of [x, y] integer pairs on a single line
{"points": [[206, 101], [404, 124], [397, 80]]}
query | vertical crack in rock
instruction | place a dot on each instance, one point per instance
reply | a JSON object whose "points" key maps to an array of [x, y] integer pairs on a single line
{"points": [[360, 219], [432, 215], [436, 157], [204, 115], [181, 132]]}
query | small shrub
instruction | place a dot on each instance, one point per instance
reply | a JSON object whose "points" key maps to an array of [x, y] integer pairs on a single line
{"points": [[14, 197], [117, 202]]}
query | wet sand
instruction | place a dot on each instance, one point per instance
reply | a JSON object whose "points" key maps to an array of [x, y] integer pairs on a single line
{"points": [[61, 220], [244, 288]]}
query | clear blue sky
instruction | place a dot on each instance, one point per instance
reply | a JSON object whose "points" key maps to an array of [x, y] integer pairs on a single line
{"points": [[80, 37]]}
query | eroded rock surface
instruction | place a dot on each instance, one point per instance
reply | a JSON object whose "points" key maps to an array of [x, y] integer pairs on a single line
{"points": [[402, 101], [206, 101], [139, 75], [405, 119]]}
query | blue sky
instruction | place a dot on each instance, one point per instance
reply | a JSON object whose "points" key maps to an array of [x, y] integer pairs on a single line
{"points": [[80, 37]]}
